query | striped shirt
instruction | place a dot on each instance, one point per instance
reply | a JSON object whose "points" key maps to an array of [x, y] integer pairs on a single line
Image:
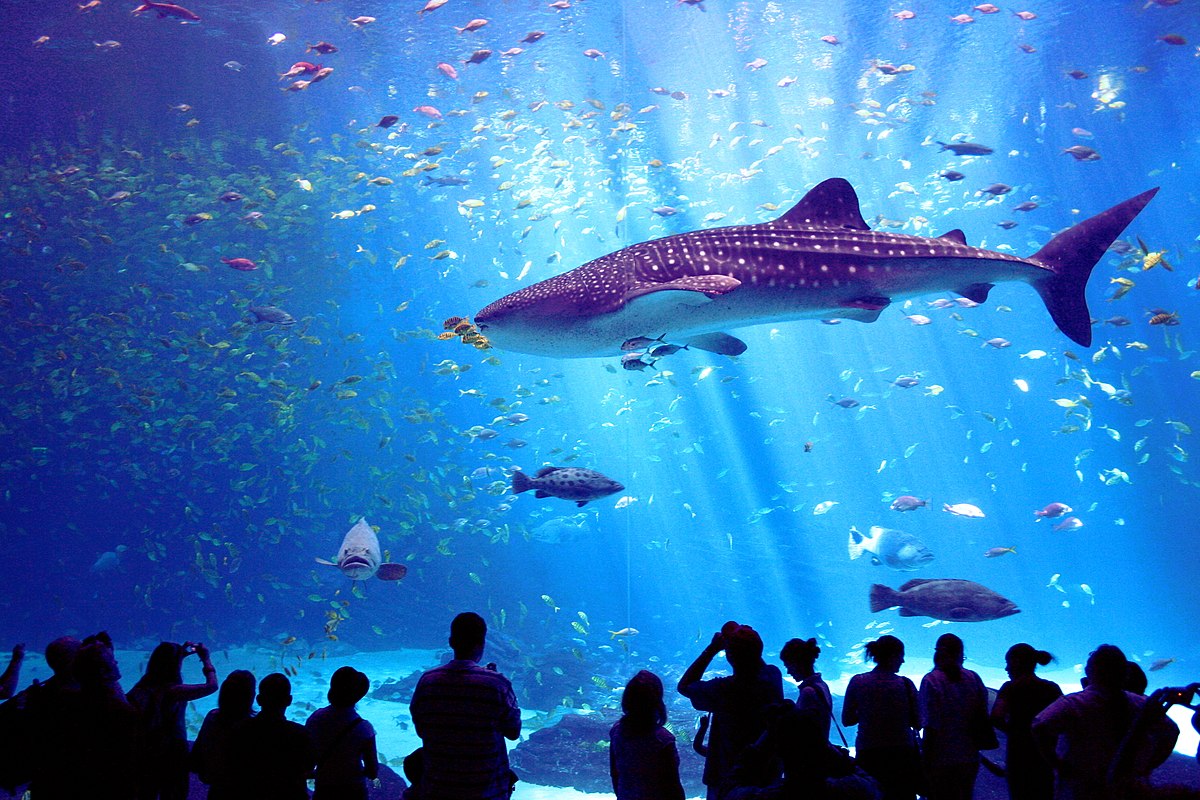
{"points": [[463, 713]]}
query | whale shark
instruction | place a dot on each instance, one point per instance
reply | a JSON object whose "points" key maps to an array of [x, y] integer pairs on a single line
{"points": [[820, 260], [360, 558]]}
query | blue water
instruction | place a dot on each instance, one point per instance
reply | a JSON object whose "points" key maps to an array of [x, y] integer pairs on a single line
{"points": [[143, 408]]}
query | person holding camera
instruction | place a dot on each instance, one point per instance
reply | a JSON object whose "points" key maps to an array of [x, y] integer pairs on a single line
{"points": [[161, 698], [739, 703], [463, 713]]}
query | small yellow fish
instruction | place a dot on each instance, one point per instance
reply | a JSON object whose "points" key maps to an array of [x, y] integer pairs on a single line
{"points": [[304, 184]]}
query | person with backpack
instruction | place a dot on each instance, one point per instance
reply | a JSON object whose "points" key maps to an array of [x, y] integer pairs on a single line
{"points": [[343, 742]]}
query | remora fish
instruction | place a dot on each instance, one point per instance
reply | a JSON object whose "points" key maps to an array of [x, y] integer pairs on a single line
{"points": [[360, 556], [817, 261], [943, 598], [896, 549]]}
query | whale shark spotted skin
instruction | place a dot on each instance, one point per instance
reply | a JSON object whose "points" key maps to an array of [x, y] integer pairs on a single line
{"points": [[819, 260]]}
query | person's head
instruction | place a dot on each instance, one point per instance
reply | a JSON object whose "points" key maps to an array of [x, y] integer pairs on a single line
{"points": [[1106, 667], [165, 667], [236, 698], [96, 663], [275, 692], [887, 652], [799, 657], [1022, 659], [743, 647], [60, 654], [1136, 680], [642, 701], [347, 687], [948, 653], [467, 634]]}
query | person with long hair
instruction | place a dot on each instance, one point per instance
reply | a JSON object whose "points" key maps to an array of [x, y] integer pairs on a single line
{"points": [[643, 758], [883, 704], [161, 698], [954, 715], [210, 757], [1022, 697]]}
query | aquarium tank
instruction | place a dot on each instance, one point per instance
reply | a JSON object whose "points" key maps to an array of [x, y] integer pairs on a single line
{"points": [[270, 270]]}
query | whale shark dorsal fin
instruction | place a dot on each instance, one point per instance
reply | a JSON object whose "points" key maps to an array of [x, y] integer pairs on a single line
{"points": [[955, 235], [831, 203]]}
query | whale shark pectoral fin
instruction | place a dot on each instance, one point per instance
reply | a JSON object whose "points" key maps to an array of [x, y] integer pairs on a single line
{"points": [[324, 561], [831, 203], [391, 572], [709, 286], [863, 309], [976, 292], [719, 343]]}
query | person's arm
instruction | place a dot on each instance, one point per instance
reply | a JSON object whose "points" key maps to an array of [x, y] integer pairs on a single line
{"points": [[12, 674], [999, 714], [670, 768], [929, 706], [370, 759], [194, 691], [510, 726], [1045, 730], [612, 763], [695, 672], [850, 704]]}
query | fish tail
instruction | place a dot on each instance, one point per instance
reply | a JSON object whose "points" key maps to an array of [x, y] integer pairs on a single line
{"points": [[854, 545], [521, 482], [1071, 256], [883, 597]]}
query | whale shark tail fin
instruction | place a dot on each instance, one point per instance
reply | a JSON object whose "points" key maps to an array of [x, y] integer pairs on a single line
{"points": [[1072, 255]]}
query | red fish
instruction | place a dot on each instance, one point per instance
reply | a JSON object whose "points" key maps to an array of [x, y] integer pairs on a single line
{"points": [[300, 68], [242, 264], [168, 10]]}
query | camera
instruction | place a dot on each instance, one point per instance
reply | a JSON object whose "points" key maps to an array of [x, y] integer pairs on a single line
{"points": [[1182, 696], [189, 648]]}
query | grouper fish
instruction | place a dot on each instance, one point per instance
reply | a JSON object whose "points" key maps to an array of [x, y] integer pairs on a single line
{"points": [[949, 599], [360, 556], [819, 260]]}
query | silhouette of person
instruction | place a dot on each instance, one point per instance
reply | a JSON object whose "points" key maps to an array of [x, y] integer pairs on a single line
{"points": [[102, 731], [1079, 733], [738, 702], [12, 673], [343, 742], [883, 704], [799, 657], [161, 698], [1019, 700], [1136, 679], [642, 757], [463, 713], [272, 756], [52, 708], [953, 709], [211, 758]]}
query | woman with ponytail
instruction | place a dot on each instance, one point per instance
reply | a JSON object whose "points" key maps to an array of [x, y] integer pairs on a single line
{"points": [[1020, 699]]}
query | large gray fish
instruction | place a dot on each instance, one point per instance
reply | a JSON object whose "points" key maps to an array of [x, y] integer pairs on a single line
{"points": [[896, 549], [569, 483], [949, 599], [360, 556], [817, 261]]}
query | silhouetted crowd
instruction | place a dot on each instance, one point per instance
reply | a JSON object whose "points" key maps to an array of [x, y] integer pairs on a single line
{"points": [[78, 734]]}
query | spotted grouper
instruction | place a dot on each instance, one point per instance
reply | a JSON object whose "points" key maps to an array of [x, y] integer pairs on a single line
{"points": [[947, 599], [569, 483]]}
